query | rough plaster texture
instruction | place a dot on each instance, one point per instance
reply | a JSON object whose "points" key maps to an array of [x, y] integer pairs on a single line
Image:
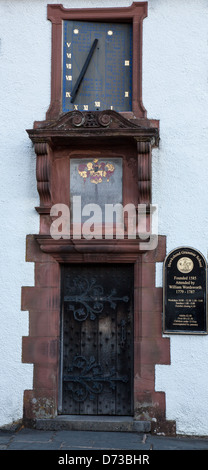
{"points": [[175, 56], [175, 91]]}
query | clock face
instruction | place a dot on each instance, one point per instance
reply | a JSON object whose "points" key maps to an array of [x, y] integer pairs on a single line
{"points": [[97, 66]]}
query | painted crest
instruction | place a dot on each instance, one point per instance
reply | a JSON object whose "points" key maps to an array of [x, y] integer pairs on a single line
{"points": [[96, 170]]}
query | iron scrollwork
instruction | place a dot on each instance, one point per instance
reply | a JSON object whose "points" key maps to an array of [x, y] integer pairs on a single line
{"points": [[90, 297], [123, 334], [89, 380]]}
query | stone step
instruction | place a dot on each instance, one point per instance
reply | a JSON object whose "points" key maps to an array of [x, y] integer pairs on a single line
{"points": [[93, 423]]}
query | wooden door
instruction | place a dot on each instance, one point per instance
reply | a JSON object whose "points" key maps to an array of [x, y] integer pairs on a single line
{"points": [[97, 339]]}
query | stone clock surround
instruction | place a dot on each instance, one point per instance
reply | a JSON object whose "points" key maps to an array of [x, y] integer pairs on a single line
{"points": [[133, 14]]}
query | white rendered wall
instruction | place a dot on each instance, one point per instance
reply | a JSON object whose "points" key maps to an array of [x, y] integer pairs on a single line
{"points": [[175, 91]]}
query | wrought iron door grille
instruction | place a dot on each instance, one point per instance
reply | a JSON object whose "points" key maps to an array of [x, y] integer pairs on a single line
{"points": [[97, 339], [91, 299], [88, 378]]}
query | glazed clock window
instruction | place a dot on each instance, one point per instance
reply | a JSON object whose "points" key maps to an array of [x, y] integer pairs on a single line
{"points": [[97, 181], [97, 66]]}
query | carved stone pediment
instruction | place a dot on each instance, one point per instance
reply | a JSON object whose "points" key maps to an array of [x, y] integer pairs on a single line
{"points": [[90, 119], [89, 131], [95, 124]]}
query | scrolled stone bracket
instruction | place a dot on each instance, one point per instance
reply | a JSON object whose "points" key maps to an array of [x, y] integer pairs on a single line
{"points": [[43, 170], [144, 149]]}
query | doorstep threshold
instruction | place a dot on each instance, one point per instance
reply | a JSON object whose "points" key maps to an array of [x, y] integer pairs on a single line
{"points": [[93, 423]]}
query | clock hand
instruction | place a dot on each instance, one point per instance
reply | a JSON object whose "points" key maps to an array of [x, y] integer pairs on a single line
{"points": [[84, 68]]}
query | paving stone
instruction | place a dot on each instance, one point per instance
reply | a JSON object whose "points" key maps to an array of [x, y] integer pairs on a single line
{"points": [[32, 439], [33, 435]]}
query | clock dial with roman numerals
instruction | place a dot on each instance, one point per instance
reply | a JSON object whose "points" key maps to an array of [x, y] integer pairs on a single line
{"points": [[97, 66]]}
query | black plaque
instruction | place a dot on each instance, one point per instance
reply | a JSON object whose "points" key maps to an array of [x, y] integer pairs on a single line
{"points": [[185, 292]]}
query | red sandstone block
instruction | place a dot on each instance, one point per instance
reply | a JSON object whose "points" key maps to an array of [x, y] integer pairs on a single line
{"points": [[41, 404], [27, 412], [157, 255], [148, 299], [34, 253], [45, 224], [149, 404], [142, 398], [39, 350], [152, 299], [137, 359], [44, 323], [40, 298], [144, 275], [45, 377], [47, 274], [148, 275], [153, 350], [147, 324], [159, 402], [145, 377], [147, 372], [137, 324]]}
